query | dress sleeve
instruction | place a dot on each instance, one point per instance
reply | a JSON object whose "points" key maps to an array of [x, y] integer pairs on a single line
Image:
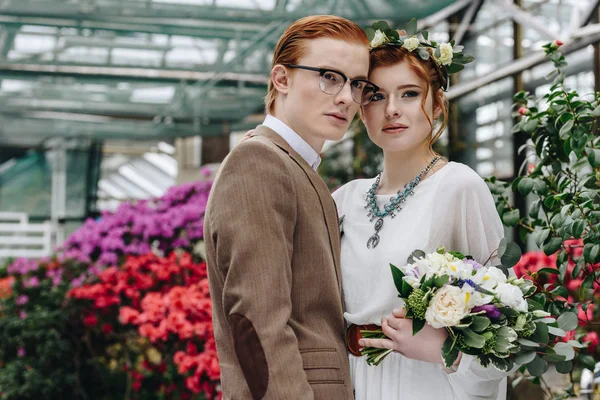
{"points": [[469, 223]]}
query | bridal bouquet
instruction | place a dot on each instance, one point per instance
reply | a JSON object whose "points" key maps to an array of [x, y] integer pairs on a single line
{"points": [[487, 313]]}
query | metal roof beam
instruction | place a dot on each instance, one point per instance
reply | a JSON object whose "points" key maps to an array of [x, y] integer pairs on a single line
{"points": [[129, 74], [47, 128], [586, 36], [227, 109], [199, 29], [111, 9]]}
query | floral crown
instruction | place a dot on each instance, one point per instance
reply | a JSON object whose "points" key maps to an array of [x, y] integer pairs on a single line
{"points": [[447, 56]]}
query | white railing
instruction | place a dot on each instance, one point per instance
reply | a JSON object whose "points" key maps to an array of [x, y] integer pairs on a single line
{"points": [[20, 238]]}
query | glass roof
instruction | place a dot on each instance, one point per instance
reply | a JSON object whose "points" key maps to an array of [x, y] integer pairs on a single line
{"points": [[145, 69]]}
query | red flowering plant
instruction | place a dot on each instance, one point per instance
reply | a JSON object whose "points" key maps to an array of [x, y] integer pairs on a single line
{"points": [[153, 317], [543, 271]]}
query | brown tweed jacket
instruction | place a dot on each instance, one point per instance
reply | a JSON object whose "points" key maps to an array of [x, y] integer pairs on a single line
{"points": [[272, 244]]}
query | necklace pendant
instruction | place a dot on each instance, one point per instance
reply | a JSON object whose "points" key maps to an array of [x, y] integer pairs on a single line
{"points": [[373, 241]]}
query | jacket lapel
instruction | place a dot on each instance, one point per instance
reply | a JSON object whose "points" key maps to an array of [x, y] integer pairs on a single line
{"points": [[325, 198]]}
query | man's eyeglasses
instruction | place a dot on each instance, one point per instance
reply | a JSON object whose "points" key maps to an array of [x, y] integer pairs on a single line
{"points": [[332, 82]]}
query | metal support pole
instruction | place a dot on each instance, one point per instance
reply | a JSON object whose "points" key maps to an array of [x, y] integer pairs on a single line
{"points": [[518, 138], [58, 206]]}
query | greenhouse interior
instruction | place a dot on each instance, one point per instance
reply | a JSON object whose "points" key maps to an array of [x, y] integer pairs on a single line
{"points": [[116, 117]]}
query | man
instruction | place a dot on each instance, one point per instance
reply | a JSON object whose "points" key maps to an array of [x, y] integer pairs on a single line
{"points": [[271, 227]]}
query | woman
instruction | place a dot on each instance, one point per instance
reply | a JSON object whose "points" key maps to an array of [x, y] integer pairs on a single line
{"points": [[384, 220]]}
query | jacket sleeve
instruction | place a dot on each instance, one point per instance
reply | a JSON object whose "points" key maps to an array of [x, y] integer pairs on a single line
{"points": [[253, 221]]}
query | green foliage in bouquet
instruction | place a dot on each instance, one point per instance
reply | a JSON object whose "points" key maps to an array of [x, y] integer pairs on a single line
{"points": [[562, 176]]}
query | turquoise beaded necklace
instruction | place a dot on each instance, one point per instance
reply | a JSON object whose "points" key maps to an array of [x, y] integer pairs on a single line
{"points": [[395, 204]]}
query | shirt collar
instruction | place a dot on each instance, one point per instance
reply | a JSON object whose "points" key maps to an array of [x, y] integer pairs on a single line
{"points": [[294, 140]]}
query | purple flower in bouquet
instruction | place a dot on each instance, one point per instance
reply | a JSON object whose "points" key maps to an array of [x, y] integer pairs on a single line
{"points": [[22, 315], [491, 311], [474, 263], [21, 352]]}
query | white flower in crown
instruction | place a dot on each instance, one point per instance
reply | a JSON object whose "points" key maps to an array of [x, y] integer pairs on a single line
{"points": [[446, 54], [411, 43], [379, 39]]}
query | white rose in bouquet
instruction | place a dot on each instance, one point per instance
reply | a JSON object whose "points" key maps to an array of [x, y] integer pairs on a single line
{"points": [[448, 307]]}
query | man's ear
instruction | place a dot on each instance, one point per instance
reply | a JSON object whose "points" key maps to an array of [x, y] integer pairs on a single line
{"points": [[280, 76]]}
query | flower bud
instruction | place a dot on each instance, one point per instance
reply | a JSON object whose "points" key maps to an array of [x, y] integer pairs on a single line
{"points": [[524, 111], [540, 313]]}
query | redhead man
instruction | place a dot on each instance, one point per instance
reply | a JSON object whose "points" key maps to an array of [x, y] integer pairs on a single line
{"points": [[271, 226]]}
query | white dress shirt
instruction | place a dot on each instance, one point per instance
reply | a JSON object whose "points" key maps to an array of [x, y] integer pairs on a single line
{"points": [[294, 140]]}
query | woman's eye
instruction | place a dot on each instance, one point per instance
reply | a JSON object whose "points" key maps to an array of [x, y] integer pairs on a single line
{"points": [[410, 93], [377, 97]]}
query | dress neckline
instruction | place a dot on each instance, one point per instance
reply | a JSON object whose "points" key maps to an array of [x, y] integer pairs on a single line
{"points": [[421, 183]]}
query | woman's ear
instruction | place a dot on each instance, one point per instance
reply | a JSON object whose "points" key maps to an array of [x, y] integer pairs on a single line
{"points": [[281, 78], [439, 101], [361, 115]]}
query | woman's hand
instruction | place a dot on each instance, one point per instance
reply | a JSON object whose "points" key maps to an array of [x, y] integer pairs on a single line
{"points": [[424, 346]]}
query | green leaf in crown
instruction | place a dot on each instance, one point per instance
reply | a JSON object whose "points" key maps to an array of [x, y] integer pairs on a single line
{"points": [[447, 56]]}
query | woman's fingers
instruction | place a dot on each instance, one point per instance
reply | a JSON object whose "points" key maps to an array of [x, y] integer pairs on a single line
{"points": [[399, 312]]}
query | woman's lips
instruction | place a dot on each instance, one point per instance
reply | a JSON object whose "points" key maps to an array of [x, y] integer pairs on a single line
{"points": [[393, 129]]}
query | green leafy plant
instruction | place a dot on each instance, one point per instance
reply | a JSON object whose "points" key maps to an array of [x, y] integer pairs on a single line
{"points": [[561, 175]]}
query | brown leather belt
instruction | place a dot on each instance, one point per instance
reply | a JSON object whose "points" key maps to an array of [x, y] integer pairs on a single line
{"points": [[353, 336]]}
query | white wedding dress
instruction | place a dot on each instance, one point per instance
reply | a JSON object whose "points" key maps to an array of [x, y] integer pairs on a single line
{"points": [[452, 207]]}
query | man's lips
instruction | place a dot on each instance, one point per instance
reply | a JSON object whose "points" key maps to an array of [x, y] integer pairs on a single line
{"points": [[339, 116]]}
